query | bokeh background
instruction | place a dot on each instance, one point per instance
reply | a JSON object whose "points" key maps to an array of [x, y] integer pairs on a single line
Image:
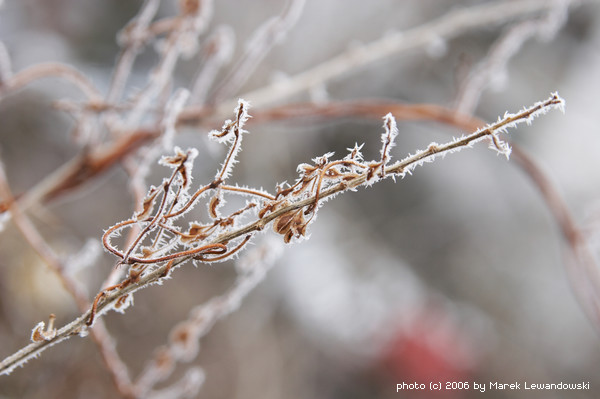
{"points": [[456, 273]]}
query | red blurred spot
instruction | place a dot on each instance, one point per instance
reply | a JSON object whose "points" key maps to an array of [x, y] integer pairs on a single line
{"points": [[430, 348]]}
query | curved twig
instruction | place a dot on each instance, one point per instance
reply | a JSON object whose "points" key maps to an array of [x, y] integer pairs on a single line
{"points": [[52, 69]]}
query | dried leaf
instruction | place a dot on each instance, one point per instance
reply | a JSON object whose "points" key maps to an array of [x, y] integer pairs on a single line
{"points": [[212, 206], [148, 204], [288, 236], [174, 160], [282, 223], [196, 229], [37, 334], [147, 251], [332, 173], [197, 232], [267, 208], [185, 180], [291, 224]]}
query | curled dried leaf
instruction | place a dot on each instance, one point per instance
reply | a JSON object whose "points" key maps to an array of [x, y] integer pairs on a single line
{"points": [[212, 206], [291, 224], [185, 176], [283, 223], [197, 232], [148, 204], [147, 252], [287, 237], [174, 160], [40, 333], [182, 162], [227, 222], [306, 169], [37, 334], [268, 207], [283, 192], [123, 302], [372, 169], [433, 148], [333, 173]]}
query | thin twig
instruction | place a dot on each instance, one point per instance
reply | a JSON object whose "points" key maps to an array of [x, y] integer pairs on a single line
{"points": [[48, 70]]}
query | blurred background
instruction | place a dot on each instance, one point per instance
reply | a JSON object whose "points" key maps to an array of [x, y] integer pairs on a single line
{"points": [[456, 273]]}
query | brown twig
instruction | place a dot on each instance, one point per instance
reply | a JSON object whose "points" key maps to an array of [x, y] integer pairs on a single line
{"points": [[48, 70]]}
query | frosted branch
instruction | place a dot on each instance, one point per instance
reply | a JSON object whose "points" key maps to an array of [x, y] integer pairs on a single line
{"points": [[344, 175]]}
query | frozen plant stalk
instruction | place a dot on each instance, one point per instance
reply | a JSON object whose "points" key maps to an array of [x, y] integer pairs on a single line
{"points": [[162, 245]]}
